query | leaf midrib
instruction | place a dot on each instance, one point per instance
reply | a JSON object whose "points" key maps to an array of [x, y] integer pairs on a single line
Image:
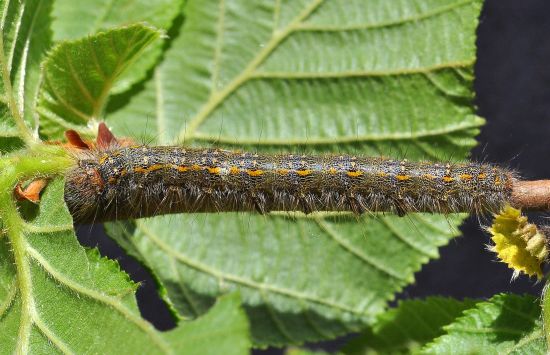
{"points": [[215, 100], [111, 302], [461, 126]]}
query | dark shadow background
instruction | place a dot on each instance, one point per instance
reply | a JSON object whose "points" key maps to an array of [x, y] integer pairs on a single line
{"points": [[513, 94]]}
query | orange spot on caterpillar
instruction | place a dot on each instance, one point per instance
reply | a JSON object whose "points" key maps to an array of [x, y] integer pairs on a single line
{"points": [[283, 171], [403, 177], [497, 180], [482, 176], [354, 173], [332, 171], [195, 167], [139, 169], [234, 170], [448, 179], [255, 172], [153, 167], [304, 172], [182, 168], [465, 177], [214, 170], [156, 167], [103, 158]]}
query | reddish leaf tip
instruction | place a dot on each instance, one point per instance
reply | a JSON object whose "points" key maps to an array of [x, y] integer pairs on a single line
{"points": [[75, 140], [105, 137]]}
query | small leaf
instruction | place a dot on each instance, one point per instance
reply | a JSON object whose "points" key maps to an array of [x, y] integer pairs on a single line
{"points": [[506, 324], [78, 76], [409, 326], [73, 20], [64, 299]]}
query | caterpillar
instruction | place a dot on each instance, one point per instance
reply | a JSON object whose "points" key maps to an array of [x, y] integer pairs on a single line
{"points": [[117, 180]]}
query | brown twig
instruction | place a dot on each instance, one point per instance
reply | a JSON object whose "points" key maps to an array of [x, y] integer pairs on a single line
{"points": [[531, 195]]}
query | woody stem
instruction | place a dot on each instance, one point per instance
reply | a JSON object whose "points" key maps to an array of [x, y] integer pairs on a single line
{"points": [[531, 195]]}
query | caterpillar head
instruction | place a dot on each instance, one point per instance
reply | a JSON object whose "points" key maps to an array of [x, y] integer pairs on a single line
{"points": [[84, 185]]}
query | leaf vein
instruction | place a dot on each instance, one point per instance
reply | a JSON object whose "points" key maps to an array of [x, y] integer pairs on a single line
{"points": [[48, 333], [100, 297], [10, 297], [398, 22], [405, 240], [183, 288], [96, 61], [216, 100], [276, 15], [278, 323], [79, 82], [339, 140], [48, 229], [58, 97], [345, 74], [537, 335], [354, 251], [316, 328], [241, 280], [218, 48], [429, 153]]}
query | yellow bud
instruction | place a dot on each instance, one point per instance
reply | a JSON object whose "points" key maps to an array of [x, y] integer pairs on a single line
{"points": [[518, 243]]}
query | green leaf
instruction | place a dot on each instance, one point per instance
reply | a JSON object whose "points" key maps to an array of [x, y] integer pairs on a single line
{"points": [[301, 279], [409, 326], [73, 20], [506, 324], [546, 312], [26, 36], [364, 77], [297, 73], [223, 330], [78, 76], [57, 297]]}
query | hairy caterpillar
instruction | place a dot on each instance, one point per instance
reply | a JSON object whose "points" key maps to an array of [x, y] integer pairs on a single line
{"points": [[120, 181]]}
